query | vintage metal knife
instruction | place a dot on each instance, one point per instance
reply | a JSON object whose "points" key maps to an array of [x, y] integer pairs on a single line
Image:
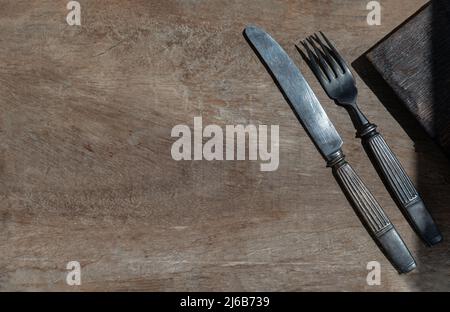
{"points": [[322, 132]]}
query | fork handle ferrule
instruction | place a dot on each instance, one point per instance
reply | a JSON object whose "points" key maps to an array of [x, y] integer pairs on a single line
{"points": [[372, 215], [367, 131], [399, 185]]}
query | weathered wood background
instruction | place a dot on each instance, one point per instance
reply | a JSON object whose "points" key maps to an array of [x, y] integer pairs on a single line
{"points": [[86, 172]]}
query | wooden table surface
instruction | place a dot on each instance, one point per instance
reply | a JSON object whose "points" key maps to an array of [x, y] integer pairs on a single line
{"points": [[86, 172]]}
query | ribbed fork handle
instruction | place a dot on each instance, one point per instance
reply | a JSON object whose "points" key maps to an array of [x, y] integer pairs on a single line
{"points": [[400, 186], [372, 216]]}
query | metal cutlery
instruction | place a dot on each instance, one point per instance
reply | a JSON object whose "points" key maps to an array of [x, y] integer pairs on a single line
{"points": [[310, 113], [336, 78]]}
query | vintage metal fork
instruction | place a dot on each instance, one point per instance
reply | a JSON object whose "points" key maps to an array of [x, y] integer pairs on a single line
{"points": [[336, 78]]}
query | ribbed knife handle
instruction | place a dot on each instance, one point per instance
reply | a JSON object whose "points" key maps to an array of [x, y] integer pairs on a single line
{"points": [[400, 186], [372, 216]]}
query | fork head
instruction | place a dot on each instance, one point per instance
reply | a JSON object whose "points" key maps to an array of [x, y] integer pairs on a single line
{"points": [[330, 69]]}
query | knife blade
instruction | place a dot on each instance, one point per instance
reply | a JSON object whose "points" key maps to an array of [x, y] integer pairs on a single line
{"points": [[312, 116], [297, 91]]}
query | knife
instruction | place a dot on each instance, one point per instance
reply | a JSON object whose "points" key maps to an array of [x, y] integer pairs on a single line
{"points": [[315, 121]]}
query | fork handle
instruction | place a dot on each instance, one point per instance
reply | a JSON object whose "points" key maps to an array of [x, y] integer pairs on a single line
{"points": [[399, 185], [372, 215]]}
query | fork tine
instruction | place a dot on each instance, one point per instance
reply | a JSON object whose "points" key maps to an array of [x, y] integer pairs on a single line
{"points": [[330, 59], [311, 59], [336, 54], [306, 58], [321, 58]]}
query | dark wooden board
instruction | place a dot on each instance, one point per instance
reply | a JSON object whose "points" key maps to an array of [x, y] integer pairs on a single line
{"points": [[415, 61]]}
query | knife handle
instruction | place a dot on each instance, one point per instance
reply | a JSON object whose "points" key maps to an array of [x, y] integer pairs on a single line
{"points": [[400, 185], [372, 215]]}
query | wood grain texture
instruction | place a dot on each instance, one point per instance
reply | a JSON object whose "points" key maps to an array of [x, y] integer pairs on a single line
{"points": [[414, 61], [86, 172]]}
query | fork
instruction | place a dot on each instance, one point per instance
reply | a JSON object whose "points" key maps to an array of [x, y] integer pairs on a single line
{"points": [[338, 81]]}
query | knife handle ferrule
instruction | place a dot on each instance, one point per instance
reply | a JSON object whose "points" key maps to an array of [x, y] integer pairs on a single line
{"points": [[372, 215], [400, 186]]}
